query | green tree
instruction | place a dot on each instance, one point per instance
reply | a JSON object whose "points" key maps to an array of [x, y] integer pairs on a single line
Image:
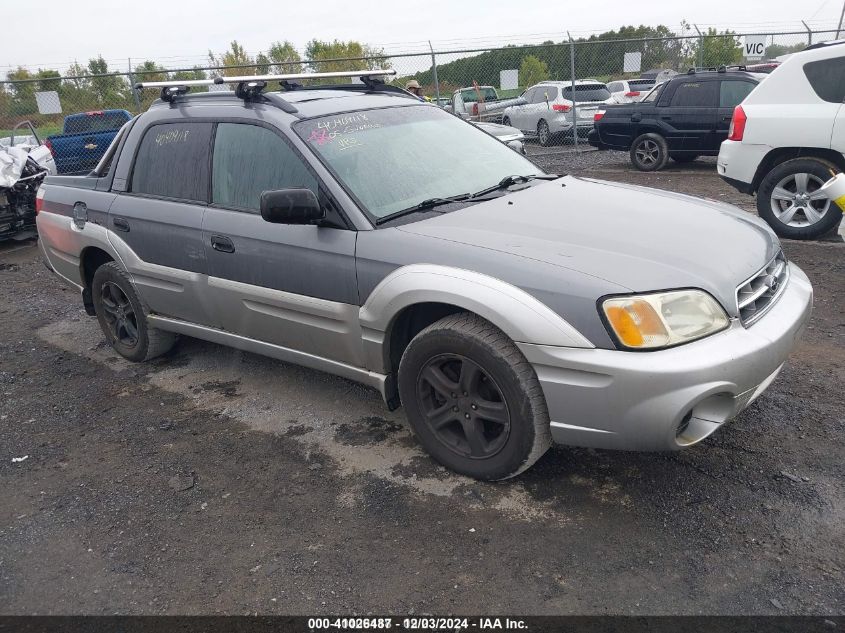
{"points": [[716, 48], [187, 75], [48, 80], [284, 57], [338, 56], [24, 90], [532, 71], [776, 50], [235, 60], [150, 71], [109, 90]]}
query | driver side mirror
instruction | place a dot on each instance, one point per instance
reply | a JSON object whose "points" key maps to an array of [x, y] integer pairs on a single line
{"points": [[291, 206]]}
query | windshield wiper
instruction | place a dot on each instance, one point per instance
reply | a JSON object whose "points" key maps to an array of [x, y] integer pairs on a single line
{"points": [[429, 203], [507, 181]]}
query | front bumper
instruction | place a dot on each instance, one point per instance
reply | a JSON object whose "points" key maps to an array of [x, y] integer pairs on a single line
{"points": [[668, 399]]}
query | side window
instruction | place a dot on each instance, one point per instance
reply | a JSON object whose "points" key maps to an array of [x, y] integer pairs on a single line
{"points": [[528, 95], [615, 86], [249, 160], [731, 93], [172, 161], [696, 94], [827, 77], [541, 92]]}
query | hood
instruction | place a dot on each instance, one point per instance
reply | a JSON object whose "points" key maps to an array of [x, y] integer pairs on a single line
{"points": [[498, 130], [634, 237]]}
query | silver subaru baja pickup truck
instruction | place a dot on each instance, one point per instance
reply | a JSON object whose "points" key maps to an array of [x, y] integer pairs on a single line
{"points": [[357, 231]]}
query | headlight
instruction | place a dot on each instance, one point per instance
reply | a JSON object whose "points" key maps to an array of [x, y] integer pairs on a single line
{"points": [[664, 319]]}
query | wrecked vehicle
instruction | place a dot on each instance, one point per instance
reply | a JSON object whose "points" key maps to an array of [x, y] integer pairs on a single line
{"points": [[342, 227], [20, 176]]}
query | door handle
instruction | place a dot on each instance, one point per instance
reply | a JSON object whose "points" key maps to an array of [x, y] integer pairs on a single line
{"points": [[665, 117], [222, 244], [636, 118], [120, 224], [727, 118]]}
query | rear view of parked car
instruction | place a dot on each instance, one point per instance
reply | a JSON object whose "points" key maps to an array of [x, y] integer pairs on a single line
{"points": [[630, 90], [548, 113], [787, 138], [684, 118], [85, 138]]}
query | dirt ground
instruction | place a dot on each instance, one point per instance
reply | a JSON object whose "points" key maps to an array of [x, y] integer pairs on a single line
{"points": [[214, 481]]}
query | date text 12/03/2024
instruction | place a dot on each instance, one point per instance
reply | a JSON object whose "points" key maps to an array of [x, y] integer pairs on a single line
{"points": [[417, 624]]}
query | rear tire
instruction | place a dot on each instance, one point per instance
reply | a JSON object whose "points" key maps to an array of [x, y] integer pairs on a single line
{"points": [[649, 152], [122, 316], [785, 199], [544, 135], [501, 426]]}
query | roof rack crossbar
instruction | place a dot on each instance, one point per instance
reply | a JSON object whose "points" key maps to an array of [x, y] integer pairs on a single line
{"points": [[362, 74]]}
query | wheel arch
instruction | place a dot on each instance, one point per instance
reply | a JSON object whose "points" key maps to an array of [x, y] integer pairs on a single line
{"points": [[415, 296], [90, 259], [782, 154]]}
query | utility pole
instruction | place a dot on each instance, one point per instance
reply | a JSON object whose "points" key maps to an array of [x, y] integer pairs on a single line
{"points": [[574, 94], [700, 47], [841, 15], [434, 73]]}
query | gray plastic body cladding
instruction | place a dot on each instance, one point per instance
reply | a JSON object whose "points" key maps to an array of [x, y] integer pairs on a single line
{"points": [[635, 401]]}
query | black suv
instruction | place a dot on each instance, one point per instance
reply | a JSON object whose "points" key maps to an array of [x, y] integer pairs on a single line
{"points": [[683, 118]]}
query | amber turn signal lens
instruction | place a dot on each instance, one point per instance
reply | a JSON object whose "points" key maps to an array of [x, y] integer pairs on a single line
{"points": [[636, 323]]}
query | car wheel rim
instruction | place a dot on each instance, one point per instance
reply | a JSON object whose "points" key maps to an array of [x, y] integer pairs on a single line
{"points": [[463, 406], [544, 133], [647, 152], [119, 314], [797, 202]]}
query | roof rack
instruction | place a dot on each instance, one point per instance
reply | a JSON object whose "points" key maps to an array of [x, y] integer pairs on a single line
{"points": [[715, 69], [250, 86]]}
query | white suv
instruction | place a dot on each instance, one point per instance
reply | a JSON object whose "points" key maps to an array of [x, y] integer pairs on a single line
{"points": [[546, 109], [787, 138]]}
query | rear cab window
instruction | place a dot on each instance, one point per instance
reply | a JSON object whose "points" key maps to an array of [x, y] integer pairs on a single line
{"points": [[587, 92], [173, 162], [827, 78], [95, 122], [696, 94]]}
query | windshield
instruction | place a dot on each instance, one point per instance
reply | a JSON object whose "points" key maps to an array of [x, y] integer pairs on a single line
{"points": [[587, 92], [393, 159]]}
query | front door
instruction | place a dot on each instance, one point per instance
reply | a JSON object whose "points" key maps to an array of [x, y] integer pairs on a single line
{"points": [[288, 285]]}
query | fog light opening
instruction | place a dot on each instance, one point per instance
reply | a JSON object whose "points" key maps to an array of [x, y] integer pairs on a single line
{"points": [[683, 425]]}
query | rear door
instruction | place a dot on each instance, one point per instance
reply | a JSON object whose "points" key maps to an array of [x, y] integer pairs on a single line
{"points": [[731, 93], [517, 113], [156, 224], [289, 285], [690, 116], [541, 99]]}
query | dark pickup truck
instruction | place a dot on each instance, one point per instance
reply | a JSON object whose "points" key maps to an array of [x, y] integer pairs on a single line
{"points": [[86, 137], [683, 118]]}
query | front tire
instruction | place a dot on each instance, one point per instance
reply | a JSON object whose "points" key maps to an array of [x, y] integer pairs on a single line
{"points": [[122, 317], [649, 152], [472, 399], [788, 201]]}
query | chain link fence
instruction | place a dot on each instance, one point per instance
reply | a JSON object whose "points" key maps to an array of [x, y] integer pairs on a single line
{"points": [[45, 101]]}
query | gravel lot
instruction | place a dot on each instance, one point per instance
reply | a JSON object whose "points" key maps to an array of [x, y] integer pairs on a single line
{"points": [[214, 481]]}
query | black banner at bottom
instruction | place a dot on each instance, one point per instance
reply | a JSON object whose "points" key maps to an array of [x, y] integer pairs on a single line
{"points": [[458, 624]]}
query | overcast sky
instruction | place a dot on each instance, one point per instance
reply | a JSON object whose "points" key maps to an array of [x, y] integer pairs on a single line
{"points": [[179, 32]]}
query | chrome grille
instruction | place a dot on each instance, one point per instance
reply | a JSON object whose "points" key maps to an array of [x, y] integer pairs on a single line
{"points": [[757, 295]]}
